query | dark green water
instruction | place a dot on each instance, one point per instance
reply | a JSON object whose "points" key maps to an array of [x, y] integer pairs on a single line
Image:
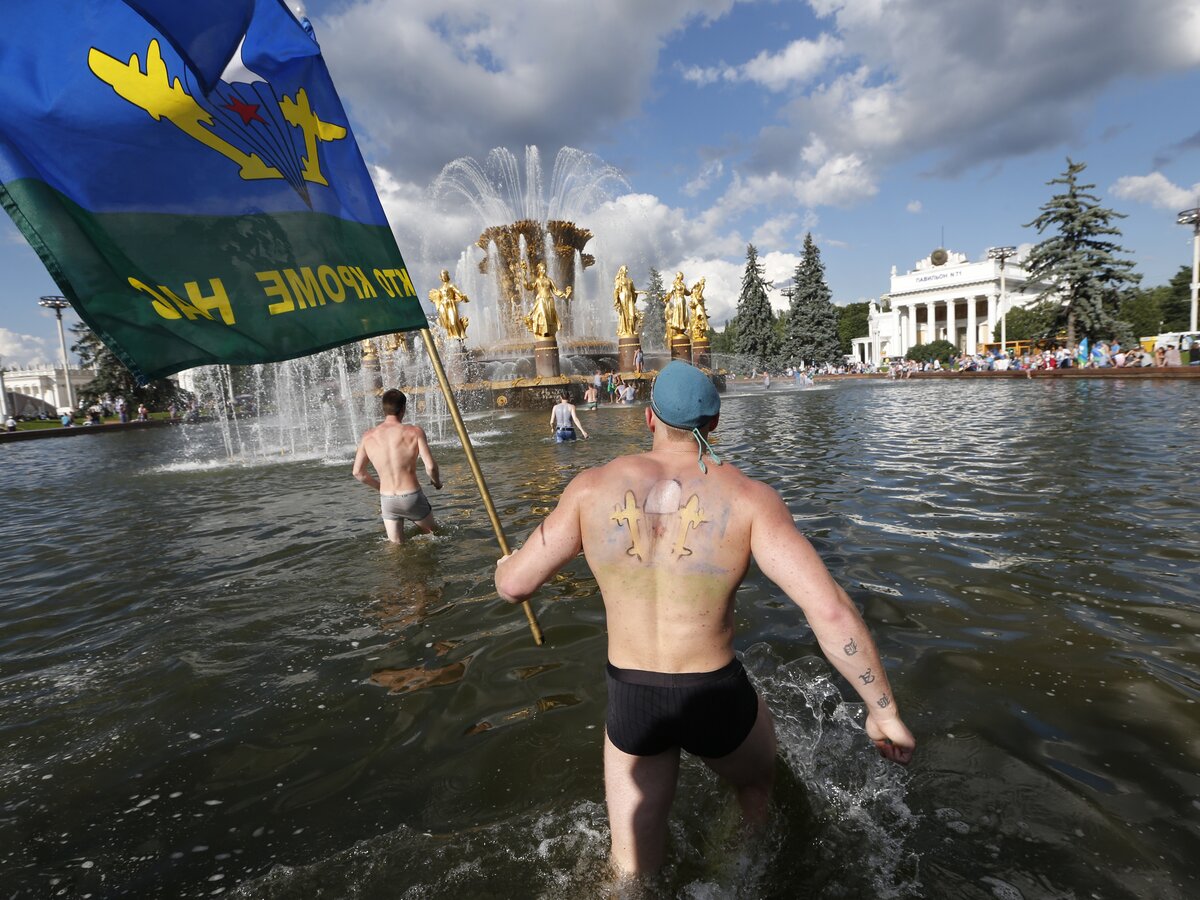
{"points": [[191, 653]]}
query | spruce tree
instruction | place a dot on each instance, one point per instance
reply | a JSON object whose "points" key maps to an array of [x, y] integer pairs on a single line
{"points": [[812, 326], [755, 334], [113, 379], [1082, 267], [654, 326]]}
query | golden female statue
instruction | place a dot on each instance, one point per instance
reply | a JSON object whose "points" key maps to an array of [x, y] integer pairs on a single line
{"points": [[699, 313], [629, 319], [676, 312], [446, 298], [542, 321]]}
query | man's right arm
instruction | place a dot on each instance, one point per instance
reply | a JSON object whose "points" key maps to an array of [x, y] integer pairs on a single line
{"points": [[787, 558], [554, 543], [360, 470]]}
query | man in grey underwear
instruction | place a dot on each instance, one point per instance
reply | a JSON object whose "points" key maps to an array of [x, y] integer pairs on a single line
{"points": [[669, 535], [392, 448]]}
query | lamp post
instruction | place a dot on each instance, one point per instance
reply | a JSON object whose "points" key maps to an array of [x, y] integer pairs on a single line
{"points": [[1192, 217], [1002, 253], [58, 304]]}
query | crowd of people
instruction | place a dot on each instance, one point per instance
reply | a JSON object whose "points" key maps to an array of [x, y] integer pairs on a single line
{"points": [[608, 387]]}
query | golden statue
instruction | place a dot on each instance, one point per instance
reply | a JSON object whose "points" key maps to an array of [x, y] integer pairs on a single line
{"points": [[446, 298], [542, 321], [629, 318], [699, 313], [676, 310], [368, 348]]}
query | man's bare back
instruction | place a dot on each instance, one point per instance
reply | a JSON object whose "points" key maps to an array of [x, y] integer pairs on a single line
{"points": [[667, 546], [392, 449], [669, 540]]}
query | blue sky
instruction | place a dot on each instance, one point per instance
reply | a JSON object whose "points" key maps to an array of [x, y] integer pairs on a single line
{"points": [[879, 125]]}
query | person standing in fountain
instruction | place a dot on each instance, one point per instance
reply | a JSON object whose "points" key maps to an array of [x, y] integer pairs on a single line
{"points": [[669, 538], [542, 321], [564, 421], [392, 448]]}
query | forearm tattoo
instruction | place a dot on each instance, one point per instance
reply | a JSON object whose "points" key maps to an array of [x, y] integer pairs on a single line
{"points": [[851, 648], [867, 677], [884, 702]]}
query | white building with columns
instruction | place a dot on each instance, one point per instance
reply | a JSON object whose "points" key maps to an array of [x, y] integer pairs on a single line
{"points": [[944, 297], [36, 390]]}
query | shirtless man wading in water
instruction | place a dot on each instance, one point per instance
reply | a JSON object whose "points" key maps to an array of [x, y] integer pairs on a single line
{"points": [[392, 449], [669, 535]]}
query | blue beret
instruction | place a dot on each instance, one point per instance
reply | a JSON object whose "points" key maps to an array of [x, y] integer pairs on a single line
{"points": [[684, 397]]}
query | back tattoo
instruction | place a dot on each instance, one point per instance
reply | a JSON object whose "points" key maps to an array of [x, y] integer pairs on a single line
{"points": [[661, 516]]}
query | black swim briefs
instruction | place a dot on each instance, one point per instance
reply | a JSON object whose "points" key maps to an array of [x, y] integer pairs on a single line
{"points": [[705, 713]]}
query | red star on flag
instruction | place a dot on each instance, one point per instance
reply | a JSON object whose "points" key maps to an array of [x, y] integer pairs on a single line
{"points": [[248, 111]]}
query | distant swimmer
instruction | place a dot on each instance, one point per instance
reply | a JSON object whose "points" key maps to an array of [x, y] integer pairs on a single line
{"points": [[564, 421], [392, 448], [669, 535], [591, 397]]}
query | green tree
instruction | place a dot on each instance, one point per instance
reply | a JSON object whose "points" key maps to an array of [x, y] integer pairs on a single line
{"points": [[1177, 301], [1032, 323], [853, 322], [113, 379], [1079, 263], [755, 332], [724, 341], [654, 328], [938, 349], [812, 333], [1143, 310], [780, 326]]}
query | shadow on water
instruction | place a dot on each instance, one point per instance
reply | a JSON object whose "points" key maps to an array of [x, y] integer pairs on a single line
{"points": [[219, 677]]}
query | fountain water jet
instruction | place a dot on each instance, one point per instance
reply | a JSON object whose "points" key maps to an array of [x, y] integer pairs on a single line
{"points": [[521, 223]]}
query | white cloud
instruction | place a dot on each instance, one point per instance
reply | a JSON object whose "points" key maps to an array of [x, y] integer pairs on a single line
{"points": [[776, 231], [914, 206], [711, 171], [798, 63], [706, 75], [1157, 190], [987, 82], [431, 80], [22, 350]]}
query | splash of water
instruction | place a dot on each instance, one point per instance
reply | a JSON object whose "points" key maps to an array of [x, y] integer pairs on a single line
{"points": [[499, 196], [579, 183], [312, 407]]}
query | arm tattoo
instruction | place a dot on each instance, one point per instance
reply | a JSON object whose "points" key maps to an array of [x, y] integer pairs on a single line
{"points": [[884, 702], [867, 677], [851, 648]]}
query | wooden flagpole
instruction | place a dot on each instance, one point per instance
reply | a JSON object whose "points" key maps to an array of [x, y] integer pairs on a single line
{"points": [[465, 439]]}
